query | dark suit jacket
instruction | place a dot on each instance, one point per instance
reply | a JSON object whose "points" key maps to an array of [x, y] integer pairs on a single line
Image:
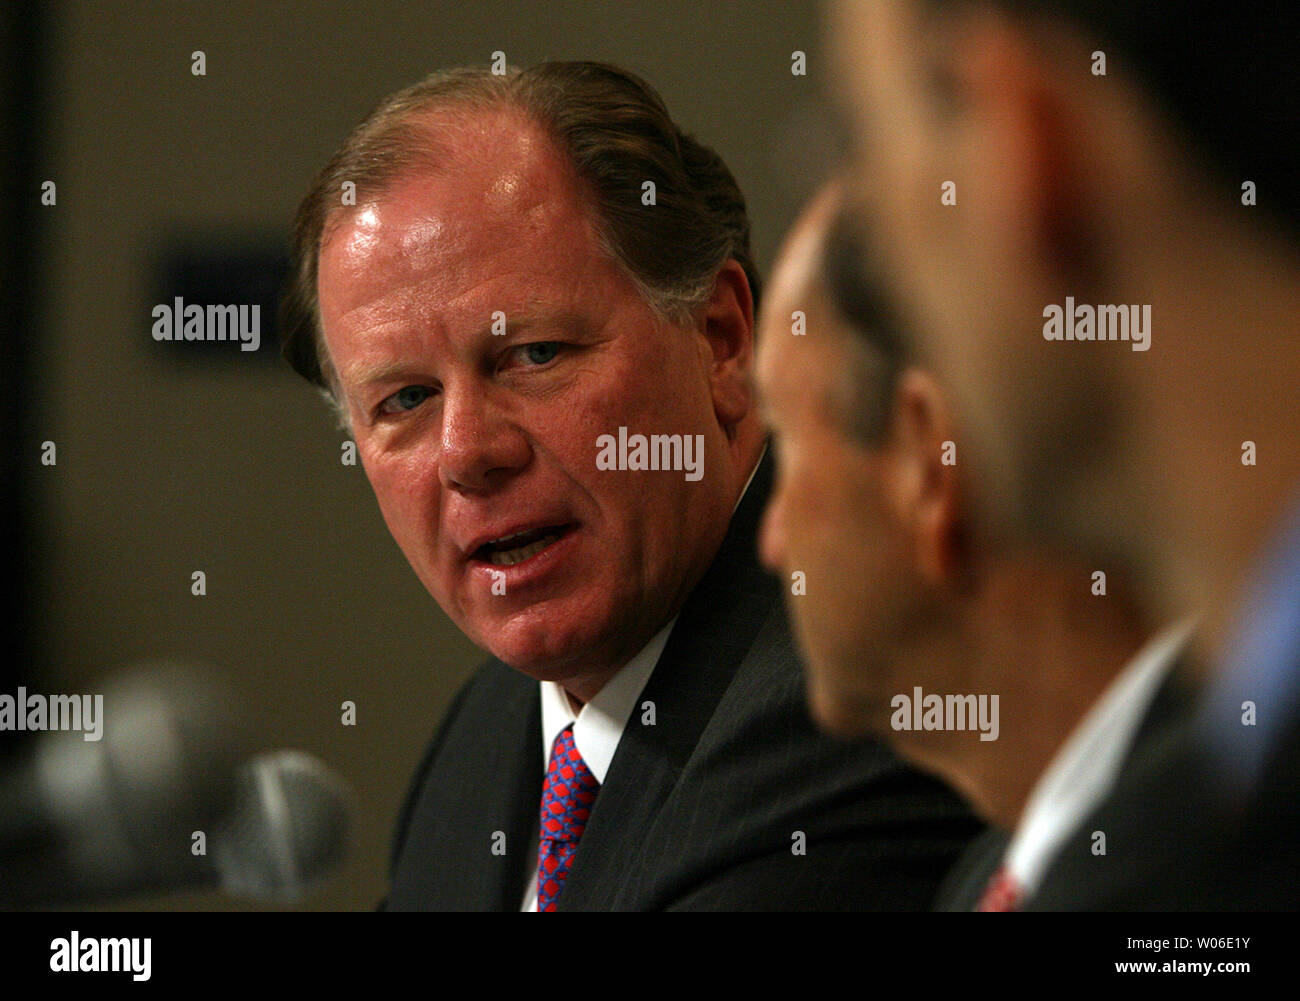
{"points": [[701, 810], [1075, 870], [1178, 841]]}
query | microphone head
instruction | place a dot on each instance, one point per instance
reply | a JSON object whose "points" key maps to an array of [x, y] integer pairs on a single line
{"points": [[165, 765], [289, 830]]}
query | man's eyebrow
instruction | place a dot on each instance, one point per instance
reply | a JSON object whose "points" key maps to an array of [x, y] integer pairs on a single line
{"points": [[367, 375], [566, 319], [363, 374]]}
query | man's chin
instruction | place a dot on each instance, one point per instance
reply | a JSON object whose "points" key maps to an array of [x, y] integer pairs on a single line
{"points": [[580, 635], [541, 654]]}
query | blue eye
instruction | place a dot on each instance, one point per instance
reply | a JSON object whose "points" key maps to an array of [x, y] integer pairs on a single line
{"points": [[406, 398], [540, 352]]}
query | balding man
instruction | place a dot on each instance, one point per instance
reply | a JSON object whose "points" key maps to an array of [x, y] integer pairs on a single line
{"points": [[537, 320]]}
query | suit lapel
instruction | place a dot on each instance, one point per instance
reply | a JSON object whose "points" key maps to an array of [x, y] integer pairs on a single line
{"points": [[1168, 712], [514, 787], [1157, 737], [715, 630], [488, 780]]}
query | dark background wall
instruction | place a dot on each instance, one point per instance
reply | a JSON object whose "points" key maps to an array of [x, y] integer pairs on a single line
{"points": [[171, 461]]}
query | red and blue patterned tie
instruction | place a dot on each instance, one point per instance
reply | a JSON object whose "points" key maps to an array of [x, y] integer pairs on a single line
{"points": [[567, 795]]}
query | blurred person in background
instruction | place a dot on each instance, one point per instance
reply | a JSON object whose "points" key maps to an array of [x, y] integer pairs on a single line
{"points": [[996, 668], [1085, 217]]}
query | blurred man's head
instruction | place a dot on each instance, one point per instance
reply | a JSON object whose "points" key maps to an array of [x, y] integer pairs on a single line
{"points": [[504, 291], [1014, 160], [842, 527], [891, 582]]}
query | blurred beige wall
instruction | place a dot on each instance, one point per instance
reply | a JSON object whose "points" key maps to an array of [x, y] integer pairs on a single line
{"points": [[234, 468]]}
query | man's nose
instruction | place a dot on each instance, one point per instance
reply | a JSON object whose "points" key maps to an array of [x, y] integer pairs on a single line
{"points": [[481, 446]]}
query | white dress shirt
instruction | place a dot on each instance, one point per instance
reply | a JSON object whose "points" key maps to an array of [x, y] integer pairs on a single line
{"points": [[598, 726], [1085, 768]]}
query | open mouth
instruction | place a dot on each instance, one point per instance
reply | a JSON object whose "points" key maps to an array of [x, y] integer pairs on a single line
{"points": [[512, 549]]}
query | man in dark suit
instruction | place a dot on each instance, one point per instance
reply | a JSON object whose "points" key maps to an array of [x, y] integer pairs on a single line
{"points": [[1085, 218], [1205, 814], [533, 307], [710, 806]]}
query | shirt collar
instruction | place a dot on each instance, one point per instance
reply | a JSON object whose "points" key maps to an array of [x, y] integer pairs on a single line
{"points": [[598, 725], [752, 473]]}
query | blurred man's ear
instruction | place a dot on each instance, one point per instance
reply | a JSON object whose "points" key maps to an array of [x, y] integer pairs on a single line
{"points": [[924, 483], [728, 325]]}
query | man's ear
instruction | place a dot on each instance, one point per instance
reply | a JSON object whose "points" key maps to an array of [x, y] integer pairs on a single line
{"points": [[728, 327], [925, 485]]}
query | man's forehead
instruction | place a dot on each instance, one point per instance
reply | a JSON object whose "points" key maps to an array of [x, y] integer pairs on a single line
{"points": [[501, 199], [796, 297], [794, 368], [488, 173]]}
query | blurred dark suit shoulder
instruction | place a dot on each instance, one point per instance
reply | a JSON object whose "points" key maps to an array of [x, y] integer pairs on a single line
{"points": [[1176, 841]]}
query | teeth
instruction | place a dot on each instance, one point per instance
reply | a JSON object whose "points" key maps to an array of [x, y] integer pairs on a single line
{"points": [[509, 557]]}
